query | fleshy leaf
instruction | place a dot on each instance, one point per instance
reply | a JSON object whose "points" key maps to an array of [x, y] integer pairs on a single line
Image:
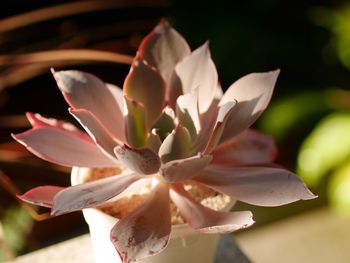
{"points": [[204, 219], [38, 121], [146, 230], [207, 120], [91, 194], [224, 112], [187, 112], [264, 186], [176, 145], [153, 141], [196, 71], [253, 93], [165, 123], [41, 195], [85, 91], [136, 188], [184, 169], [142, 161], [135, 123], [96, 130], [60, 142], [145, 85], [163, 48], [249, 147], [118, 95]]}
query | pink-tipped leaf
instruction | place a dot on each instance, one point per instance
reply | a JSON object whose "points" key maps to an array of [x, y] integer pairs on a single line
{"points": [[145, 85], [146, 230], [60, 142], [253, 93], [263, 186], [207, 220], [249, 147], [96, 130], [184, 169], [85, 91], [41, 195], [142, 161], [153, 141], [196, 71], [187, 112], [224, 112], [135, 123], [90, 194], [163, 48], [176, 145]]}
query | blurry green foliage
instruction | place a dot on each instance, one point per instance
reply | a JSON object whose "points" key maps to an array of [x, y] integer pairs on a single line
{"points": [[339, 189], [325, 149], [16, 224], [338, 22], [288, 112]]}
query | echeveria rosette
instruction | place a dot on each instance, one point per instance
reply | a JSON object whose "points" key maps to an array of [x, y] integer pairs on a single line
{"points": [[171, 124]]}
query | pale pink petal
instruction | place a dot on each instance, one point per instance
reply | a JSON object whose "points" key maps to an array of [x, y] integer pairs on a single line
{"points": [[176, 145], [187, 112], [224, 112], [96, 130], [184, 169], [253, 93], [85, 91], [207, 220], [146, 230], [63, 147], [142, 161], [264, 186], [135, 123], [249, 147], [42, 195], [91, 194], [145, 85], [163, 48], [196, 71]]}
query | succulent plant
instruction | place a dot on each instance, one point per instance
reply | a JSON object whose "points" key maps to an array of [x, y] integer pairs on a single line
{"points": [[169, 125]]}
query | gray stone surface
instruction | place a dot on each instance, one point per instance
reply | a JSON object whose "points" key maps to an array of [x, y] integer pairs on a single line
{"points": [[78, 250], [228, 251], [320, 236]]}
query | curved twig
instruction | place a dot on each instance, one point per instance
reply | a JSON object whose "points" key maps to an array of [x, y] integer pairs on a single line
{"points": [[68, 9]]}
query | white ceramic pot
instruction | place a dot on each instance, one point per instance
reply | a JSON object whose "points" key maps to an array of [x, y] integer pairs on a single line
{"points": [[185, 245]]}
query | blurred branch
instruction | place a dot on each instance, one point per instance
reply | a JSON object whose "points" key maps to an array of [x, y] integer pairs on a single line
{"points": [[33, 64], [69, 9], [10, 187], [14, 121], [66, 55], [11, 151]]}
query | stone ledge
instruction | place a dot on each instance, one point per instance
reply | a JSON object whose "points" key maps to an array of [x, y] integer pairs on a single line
{"points": [[321, 236], [79, 250]]}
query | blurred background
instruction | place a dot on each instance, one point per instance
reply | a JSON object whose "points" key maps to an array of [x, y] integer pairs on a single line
{"points": [[309, 115]]}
